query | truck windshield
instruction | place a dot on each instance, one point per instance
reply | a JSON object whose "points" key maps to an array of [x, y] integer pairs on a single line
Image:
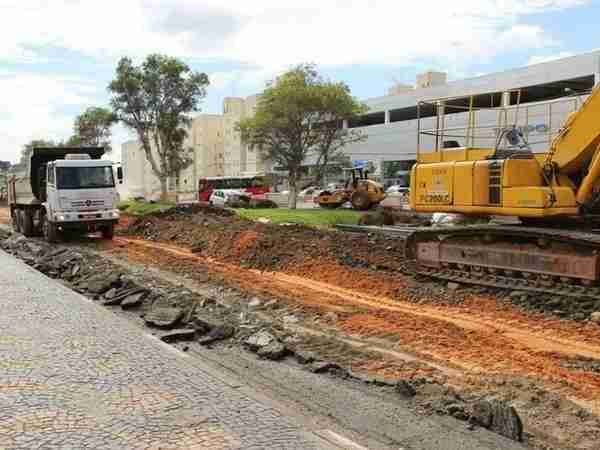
{"points": [[84, 177]]}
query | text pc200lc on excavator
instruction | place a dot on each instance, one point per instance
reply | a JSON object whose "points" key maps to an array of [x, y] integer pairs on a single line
{"points": [[550, 180]]}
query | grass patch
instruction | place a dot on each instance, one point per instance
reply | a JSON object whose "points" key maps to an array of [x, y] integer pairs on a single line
{"points": [[134, 208], [310, 217]]}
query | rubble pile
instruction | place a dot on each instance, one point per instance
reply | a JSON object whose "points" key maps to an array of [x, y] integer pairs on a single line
{"points": [[172, 312]]}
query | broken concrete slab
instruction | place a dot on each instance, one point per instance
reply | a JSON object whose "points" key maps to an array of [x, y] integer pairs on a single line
{"points": [[134, 300], [201, 325], [499, 417], [163, 317], [120, 295], [405, 389], [113, 301], [325, 367], [273, 351], [180, 334], [305, 357], [482, 413], [265, 345], [218, 333], [457, 410], [111, 293], [102, 283], [259, 340]]}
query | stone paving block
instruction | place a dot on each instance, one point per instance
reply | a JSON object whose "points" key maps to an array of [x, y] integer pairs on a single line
{"points": [[74, 375]]}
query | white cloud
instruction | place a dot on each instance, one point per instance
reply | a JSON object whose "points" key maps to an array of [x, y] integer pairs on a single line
{"points": [[263, 37], [31, 108], [273, 33], [538, 59]]}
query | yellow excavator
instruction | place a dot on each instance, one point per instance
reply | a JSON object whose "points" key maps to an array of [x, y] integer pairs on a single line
{"points": [[359, 190], [553, 247]]}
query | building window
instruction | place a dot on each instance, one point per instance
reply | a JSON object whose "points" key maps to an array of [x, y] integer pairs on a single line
{"points": [[549, 91], [411, 113], [366, 120]]}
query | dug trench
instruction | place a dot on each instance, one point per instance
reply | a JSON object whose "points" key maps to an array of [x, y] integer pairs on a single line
{"points": [[340, 305]]}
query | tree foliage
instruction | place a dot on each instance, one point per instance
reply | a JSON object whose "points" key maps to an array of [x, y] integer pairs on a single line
{"points": [[93, 128], [299, 114], [27, 150], [154, 99]]}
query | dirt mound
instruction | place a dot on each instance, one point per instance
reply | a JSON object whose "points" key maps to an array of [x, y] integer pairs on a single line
{"points": [[212, 233]]}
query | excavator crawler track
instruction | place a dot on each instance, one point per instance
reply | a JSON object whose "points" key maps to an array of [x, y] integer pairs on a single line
{"points": [[575, 244], [540, 260]]}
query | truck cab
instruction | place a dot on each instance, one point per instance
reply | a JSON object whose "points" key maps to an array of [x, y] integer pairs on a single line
{"points": [[81, 194], [71, 190]]}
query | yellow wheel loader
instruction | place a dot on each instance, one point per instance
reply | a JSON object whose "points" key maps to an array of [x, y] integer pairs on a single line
{"points": [[361, 192]]}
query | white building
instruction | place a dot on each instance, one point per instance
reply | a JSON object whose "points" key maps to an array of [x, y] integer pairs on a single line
{"points": [[217, 150], [391, 122]]}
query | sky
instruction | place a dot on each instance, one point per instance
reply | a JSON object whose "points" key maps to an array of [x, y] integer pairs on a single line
{"points": [[57, 57]]}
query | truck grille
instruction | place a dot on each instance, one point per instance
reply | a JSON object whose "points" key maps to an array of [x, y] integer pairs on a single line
{"points": [[87, 203]]}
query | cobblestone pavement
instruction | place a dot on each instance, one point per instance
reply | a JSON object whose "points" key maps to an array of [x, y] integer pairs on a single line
{"points": [[73, 375]]}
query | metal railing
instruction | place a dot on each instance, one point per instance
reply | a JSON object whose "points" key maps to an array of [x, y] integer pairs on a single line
{"points": [[537, 122]]}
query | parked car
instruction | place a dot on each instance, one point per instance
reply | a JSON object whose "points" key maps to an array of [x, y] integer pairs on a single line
{"points": [[227, 197], [397, 189], [311, 191], [334, 186]]}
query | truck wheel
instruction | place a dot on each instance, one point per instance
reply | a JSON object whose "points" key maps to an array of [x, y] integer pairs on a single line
{"points": [[50, 230], [16, 220], [108, 232], [27, 223]]}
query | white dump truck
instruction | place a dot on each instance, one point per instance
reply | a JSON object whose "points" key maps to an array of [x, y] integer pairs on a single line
{"points": [[66, 190]]}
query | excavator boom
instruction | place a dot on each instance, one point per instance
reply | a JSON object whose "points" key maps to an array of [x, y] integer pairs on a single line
{"points": [[578, 139]]}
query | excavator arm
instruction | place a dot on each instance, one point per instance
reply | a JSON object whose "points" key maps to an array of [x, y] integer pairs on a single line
{"points": [[575, 150]]}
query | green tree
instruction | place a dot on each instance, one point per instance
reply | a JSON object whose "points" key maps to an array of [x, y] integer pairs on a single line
{"points": [[300, 114], [337, 106], [93, 128], [155, 100], [27, 150]]}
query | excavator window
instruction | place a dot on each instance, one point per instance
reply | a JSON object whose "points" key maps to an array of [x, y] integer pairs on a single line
{"points": [[450, 144]]}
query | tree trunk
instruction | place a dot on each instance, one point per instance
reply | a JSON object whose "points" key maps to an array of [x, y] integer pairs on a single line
{"points": [[292, 190], [319, 172], [319, 177], [163, 189]]}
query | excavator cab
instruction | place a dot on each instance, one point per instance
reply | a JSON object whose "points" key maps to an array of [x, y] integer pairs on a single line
{"points": [[356, 174]]}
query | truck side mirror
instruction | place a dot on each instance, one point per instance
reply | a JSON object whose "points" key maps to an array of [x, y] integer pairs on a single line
{"points": [[120, 175]]}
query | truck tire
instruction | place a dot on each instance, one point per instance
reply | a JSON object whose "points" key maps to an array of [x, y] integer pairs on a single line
{"points": [[108, 232], [16, 220], [27, 223], [360, 200], [50, 230]]}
